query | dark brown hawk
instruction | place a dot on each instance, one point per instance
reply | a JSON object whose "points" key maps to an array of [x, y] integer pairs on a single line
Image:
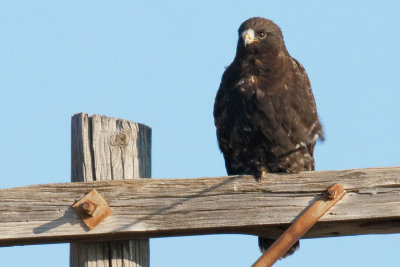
{"points": [[264, 111]]}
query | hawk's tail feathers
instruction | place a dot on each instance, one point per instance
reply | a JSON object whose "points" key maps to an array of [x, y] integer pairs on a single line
{"points": [[265, 243]]}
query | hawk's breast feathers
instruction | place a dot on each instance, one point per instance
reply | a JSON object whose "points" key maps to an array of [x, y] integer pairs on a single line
{"points": [[265, 111]]}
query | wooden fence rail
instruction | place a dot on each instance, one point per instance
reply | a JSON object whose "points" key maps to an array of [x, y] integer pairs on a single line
{"points": [[173, 207]]}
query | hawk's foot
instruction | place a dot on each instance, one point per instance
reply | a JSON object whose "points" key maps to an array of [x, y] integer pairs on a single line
{"points": [[262, 173]]}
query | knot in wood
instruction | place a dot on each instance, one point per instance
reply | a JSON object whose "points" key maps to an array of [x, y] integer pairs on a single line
{"points": [[120, 139]]}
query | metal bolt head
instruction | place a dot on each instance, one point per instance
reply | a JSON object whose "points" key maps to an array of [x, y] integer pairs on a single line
{"points": [[331, 194], [92, 209], [89, 207]]}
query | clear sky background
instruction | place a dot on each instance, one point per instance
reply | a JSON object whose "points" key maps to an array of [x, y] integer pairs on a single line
{"points": [[160, 63]]}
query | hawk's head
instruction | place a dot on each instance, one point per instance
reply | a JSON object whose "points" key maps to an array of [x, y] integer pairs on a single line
{"points": [[260, 35]]}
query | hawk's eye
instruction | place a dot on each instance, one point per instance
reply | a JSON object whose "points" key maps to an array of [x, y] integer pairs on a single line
{"points": [[261, 34]]}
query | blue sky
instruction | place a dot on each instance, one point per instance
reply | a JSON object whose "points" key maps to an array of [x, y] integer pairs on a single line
{"points": [[160, 63]]}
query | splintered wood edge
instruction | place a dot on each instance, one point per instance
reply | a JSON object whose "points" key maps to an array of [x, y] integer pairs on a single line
{"points": [[101, 211]]}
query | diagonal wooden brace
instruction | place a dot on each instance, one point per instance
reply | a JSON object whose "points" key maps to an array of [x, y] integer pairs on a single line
{"points": [[306, 220]]}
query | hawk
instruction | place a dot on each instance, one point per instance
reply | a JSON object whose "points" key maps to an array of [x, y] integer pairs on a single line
{"points": [[264, 112]]}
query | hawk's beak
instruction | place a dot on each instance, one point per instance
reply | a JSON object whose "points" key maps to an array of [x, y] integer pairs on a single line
{"points": [[248, 37]]}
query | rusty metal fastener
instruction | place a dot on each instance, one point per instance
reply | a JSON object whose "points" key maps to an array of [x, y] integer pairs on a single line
{"points": [[331, 194], [297, 229], [89, 207], [92, 209]]}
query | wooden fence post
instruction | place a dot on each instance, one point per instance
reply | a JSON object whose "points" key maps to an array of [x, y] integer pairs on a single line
{"points": [[106, 148]]}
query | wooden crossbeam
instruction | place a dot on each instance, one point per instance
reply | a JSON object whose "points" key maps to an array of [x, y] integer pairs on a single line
{"points": [[175, 207]]}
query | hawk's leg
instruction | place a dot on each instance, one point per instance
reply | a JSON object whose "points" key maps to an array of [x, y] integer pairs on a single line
{"points": [[262, 173]]}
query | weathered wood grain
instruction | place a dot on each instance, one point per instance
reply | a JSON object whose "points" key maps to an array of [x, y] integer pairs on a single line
{"points": [[236, 204], [105, 148]]}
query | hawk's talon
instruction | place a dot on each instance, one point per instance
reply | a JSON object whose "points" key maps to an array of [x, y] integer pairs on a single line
{"points": [[262, 173]]}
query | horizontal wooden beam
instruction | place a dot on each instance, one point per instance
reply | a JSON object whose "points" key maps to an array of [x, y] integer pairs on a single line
{"points": [[173, 207]]}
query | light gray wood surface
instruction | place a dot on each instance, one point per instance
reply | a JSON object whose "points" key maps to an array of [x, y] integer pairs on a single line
{"points": [[105, 148], [236, 204]]}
